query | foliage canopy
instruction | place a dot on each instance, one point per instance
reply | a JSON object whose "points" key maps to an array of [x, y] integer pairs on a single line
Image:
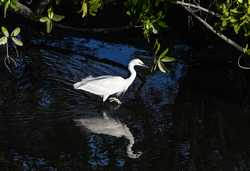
{"points": [[150, 15]]}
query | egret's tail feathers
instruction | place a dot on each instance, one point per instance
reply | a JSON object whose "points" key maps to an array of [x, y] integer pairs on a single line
{"points": [[77, 85], [82, 82]]}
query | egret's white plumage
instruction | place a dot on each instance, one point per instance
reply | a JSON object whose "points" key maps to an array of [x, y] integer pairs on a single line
{"points": [[107, 85]]}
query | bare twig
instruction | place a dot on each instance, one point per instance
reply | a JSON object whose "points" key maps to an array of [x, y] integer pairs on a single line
{"points": [[239, 65], [185, 4]]}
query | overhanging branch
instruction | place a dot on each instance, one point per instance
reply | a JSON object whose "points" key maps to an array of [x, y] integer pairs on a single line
{"points": [[222, 36], [26, 12], [185, 4]]}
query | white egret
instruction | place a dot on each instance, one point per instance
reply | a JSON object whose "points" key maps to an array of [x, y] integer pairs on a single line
{"points": [[108, 85]]}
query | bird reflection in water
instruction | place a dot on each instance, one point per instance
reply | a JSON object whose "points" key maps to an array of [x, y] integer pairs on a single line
{"points": [[106, 125]]}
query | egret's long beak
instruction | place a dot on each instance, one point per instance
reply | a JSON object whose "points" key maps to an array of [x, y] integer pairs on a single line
{"points": [[145, 66]]}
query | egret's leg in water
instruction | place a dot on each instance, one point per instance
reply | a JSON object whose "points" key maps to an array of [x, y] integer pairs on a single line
{"points": [[114, 99], [105, 116]]}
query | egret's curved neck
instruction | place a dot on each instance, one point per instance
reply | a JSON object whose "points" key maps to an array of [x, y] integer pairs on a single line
{"points": [[131, 68]]}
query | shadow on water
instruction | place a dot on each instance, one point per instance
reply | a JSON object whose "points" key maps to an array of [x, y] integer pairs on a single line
{"points": [[47, 125]]}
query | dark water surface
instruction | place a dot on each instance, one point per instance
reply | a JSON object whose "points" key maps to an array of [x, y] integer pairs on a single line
{"points": [[47, 125]]}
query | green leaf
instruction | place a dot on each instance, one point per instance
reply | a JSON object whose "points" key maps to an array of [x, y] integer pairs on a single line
{"points": [[58, 2], [57, 17], [84, 9], [236, 28], [162, 24], [240, 1], [6, 6], [13, 5], [163, 54], [233, 20], [44, 19], [162, 67], [17, 41], [94, 5], [247, 34], [128, 13], [5, 31], [157, 46], [49, 25], [50, 13], [245, 49], [16, 31], [234, 11], [224, 23], [167, 59], [3, 40]]}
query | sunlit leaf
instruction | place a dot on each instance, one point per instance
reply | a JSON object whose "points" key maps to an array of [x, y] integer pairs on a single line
{"points": [[162, 67], [233, 20], [168, 59], [57, 17], [245, 49], [236, 28], [84, 9], [17, 41], [16, 31], [224, 23], [5, 31], [128, 13], [157, 46], [163, 54], [6, 6], [3, 40], [49, 26], [50, 13], [234, 11], [94, 6], [44, 19]]}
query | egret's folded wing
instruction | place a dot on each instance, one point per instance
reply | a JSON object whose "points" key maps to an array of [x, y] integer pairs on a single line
{"points": [[101, 85], [93, 88], [82, 82]]}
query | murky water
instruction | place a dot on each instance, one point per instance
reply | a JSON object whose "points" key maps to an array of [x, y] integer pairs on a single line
{"points": [[47, 125]]}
